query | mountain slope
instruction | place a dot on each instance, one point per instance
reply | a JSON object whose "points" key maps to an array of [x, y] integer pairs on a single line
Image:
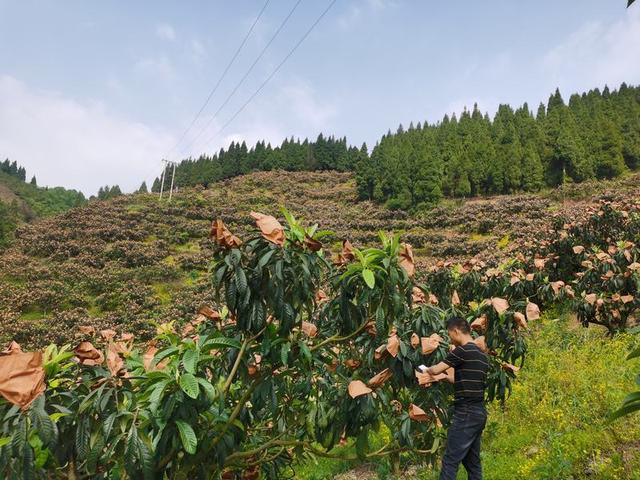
{"points": [[126, 262]]}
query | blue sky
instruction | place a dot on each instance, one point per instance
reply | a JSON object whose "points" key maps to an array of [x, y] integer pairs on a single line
{"points": [[95, 93]]}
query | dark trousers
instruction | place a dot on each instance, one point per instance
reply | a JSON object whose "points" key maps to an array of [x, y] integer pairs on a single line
{"points": [[463, 441]]}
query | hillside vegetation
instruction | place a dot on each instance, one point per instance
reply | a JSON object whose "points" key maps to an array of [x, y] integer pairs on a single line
{"points": [[132, 260], [289, 365], [22, 202]]}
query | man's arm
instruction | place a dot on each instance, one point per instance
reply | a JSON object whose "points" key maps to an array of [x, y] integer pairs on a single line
{"points": [[438, 368], [451, 375]]}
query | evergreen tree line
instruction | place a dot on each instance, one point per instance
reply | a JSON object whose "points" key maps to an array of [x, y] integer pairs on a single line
{"points": [[30, 201], [13, 169], [326, 153], [595, 135], [107, 192]]}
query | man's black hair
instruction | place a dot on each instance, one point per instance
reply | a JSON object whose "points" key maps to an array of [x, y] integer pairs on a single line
{"points": [[459, 323]]}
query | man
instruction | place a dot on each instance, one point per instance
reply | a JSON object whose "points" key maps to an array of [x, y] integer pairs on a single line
{"points": [[469, 413]]}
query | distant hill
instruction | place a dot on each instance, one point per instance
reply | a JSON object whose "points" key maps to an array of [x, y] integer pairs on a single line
{"points": [[22, 201], [132, 260]]}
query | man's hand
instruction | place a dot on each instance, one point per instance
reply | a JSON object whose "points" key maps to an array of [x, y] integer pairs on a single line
{"points": [[425, 379]]}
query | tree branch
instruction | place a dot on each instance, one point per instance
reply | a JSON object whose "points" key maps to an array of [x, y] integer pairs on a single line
{"points": [[236, 411], [336, 338], [236, 364]]}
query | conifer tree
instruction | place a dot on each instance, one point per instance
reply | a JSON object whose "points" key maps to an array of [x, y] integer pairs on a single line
{"points": [[532, 171], [609, 153]]}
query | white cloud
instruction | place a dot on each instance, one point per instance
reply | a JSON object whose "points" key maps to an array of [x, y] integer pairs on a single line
{"points": [[197, 51], [378, 5], [300, 97], [292, 110], [596, 54], [350, 17], [77, 145], [257, 126], [165, 32], [357, 10], [157, 66]]}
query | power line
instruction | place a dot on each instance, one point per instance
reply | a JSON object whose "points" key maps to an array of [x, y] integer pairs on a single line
{"points": [[148, 173], [224, 74], [273, 73], [244, 77]]}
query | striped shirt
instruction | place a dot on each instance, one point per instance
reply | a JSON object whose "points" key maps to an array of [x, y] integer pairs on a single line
{"points": [[471, 366]]}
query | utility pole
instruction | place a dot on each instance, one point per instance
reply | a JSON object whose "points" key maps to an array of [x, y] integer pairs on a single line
{"points": [[166, 165], [164, 168], [173, 176]]}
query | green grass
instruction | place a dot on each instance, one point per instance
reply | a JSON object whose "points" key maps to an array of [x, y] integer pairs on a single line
{"points": [[135, 207], [162, 292], [31, 316], [320, 468], [189, 247], [325, 468], [555, 424], [479, 237], [503, 242], [15, 281], [170, 260]]}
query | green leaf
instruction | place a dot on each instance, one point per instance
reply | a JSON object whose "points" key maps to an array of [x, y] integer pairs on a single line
{"points": [[626, 409], [4, 441], [57, 416], [47, 430], [156, 394], [94, 455], [28, 463], [131, 450], [634, 354], [284, 352], [189, 385], [188, 437], [190, 360], [107, 425], [369, 278], [82, 438], [241, 281], [220, 342], [208, 388], [88, 400], [19, 437], [146, 459], [162, 354], [265, 258], [291, 220], [305, 351], [362, 443]]}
